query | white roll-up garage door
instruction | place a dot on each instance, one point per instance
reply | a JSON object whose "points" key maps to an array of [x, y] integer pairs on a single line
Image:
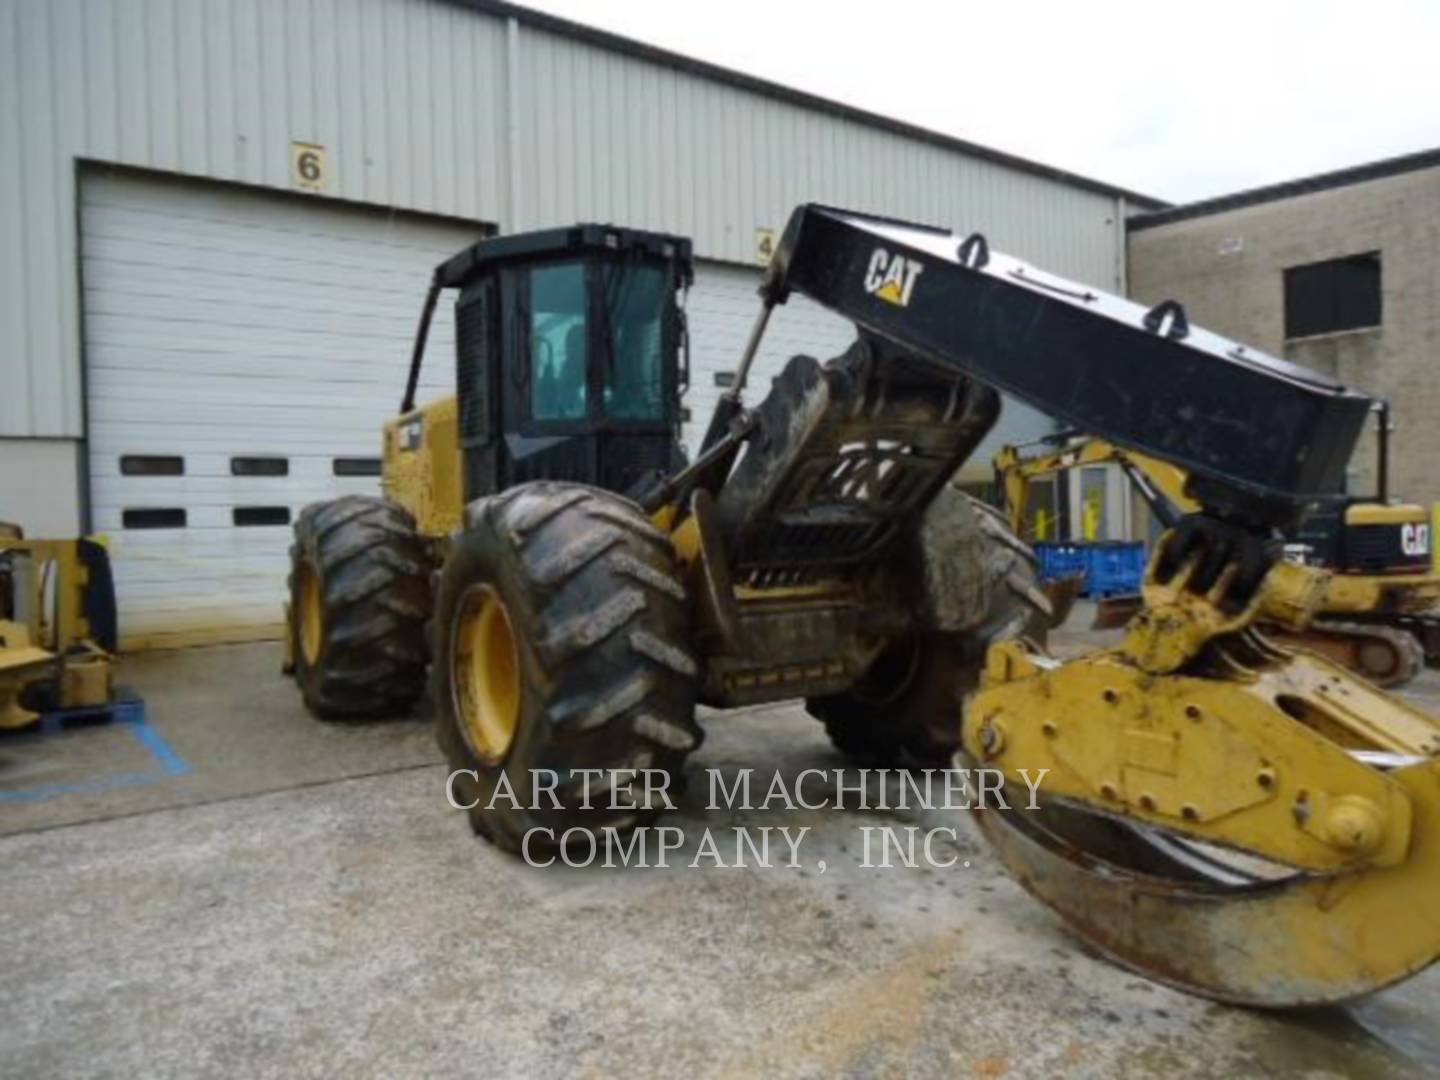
{"points": [[722, 308], [242, 350]]}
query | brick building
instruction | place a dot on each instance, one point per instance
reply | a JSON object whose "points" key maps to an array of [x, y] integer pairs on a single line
{"points": [[1339, 272]]}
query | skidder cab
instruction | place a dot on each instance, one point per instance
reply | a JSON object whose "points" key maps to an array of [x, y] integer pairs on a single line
{"points": [[571, 359]]}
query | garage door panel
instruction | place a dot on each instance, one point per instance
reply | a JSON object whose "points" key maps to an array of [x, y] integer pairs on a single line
{"points": [[237, 398], [114, 441], [158, 577], [273, 435], [207, 467], [194, 543], [192, 289], [263, 267], [194, 496], [192, 301], [278, 257], [197, 589], [215, 329], [199, 617], [201, 492], [277, 327], [336, 363], [279, 408], [224, 323], [236, 216], [387, 238], [208, 528], [339, 365]]}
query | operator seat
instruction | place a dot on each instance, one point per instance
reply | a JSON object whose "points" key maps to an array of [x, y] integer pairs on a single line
{"points": [[571, 390]]}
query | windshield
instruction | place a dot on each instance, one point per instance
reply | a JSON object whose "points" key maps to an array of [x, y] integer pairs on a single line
{"points": [[635, 297]]}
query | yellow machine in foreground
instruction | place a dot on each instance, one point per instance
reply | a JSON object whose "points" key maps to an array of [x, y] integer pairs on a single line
{"points": [[1380, 614], [1229, 816], [57, 626]]}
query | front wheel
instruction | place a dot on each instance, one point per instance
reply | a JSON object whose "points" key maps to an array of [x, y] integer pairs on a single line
{"points": [[563, 680]]}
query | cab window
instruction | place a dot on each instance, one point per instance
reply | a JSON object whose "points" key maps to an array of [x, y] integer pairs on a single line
{"points": [[558, 342], [634, 299]]}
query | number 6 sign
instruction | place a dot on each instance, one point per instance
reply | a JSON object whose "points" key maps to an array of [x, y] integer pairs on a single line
{"points": [[307, 166]]}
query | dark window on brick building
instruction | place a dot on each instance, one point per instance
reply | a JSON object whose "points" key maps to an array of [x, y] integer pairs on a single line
{"points": [[1338, 294]]}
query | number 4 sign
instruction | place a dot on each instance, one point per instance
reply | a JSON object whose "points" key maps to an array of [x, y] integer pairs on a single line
{"points": [[764, 245], [307, 166]]}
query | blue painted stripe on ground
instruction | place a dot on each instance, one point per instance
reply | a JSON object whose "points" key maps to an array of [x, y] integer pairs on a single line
{"points": [[171, 764], [87, 787], [160, 750]]}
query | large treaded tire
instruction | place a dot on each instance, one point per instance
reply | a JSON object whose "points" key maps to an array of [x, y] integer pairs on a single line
{"points": [[607, 678], [373, 572], [906, 711]]}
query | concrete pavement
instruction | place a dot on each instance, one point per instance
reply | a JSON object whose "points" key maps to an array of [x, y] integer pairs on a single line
{"points": [[302, 902]]}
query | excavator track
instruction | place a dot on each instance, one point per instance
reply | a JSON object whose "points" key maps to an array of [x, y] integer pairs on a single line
{"points": [[1388, 656], [1383, 654], [1424, 627]]}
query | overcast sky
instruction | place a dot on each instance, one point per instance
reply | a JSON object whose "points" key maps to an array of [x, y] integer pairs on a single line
{"points": [[1177, 100]]}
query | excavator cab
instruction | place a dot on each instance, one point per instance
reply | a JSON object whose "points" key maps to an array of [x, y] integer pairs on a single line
{"points": [[1371, 535]]}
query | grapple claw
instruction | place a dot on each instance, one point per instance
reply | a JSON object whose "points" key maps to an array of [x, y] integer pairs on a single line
{"points": [[1209, 924]]}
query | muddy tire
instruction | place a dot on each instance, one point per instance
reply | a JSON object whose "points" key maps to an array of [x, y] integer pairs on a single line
{"points": [[359, 598], [906, 710], [573, 596]]}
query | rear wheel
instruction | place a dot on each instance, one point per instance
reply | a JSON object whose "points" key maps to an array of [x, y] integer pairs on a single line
{"points": [[562, 665], [359, 597], [905, 710]]}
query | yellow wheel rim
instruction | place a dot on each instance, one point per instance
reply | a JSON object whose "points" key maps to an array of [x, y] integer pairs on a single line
{"points": [[485, 673], [311, 616]]}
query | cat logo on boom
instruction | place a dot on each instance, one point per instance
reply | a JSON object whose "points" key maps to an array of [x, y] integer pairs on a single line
{"points": [[892, 277]]}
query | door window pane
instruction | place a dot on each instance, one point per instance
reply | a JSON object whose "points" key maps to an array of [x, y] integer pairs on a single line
{"points": [[1094, 487], [635, 298], [1042, 511], [557, 342]]}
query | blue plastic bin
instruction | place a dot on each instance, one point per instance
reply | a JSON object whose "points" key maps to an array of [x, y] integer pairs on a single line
{"points": [[1109, 568], [1116, 569], [1062, 560]]}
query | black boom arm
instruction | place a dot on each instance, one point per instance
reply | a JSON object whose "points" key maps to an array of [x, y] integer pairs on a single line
{"points": [[1262, 438]]}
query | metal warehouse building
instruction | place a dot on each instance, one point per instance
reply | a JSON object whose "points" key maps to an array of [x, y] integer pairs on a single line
{"points": [[220, 220]]}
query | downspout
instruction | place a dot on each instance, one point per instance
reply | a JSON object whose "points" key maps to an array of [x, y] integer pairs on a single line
{"points": [[514, 219], [1122, 288], [1122, 277]]}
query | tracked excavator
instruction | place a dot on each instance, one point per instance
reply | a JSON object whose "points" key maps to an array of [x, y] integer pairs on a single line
{"points": [[1380, 615], [1220, 813]]}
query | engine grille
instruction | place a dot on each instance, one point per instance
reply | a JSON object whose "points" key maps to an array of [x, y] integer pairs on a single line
{"points": [[472, 384]]}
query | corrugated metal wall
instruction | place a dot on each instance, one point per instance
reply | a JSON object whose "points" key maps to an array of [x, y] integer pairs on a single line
{"points": [[412, 101]]}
